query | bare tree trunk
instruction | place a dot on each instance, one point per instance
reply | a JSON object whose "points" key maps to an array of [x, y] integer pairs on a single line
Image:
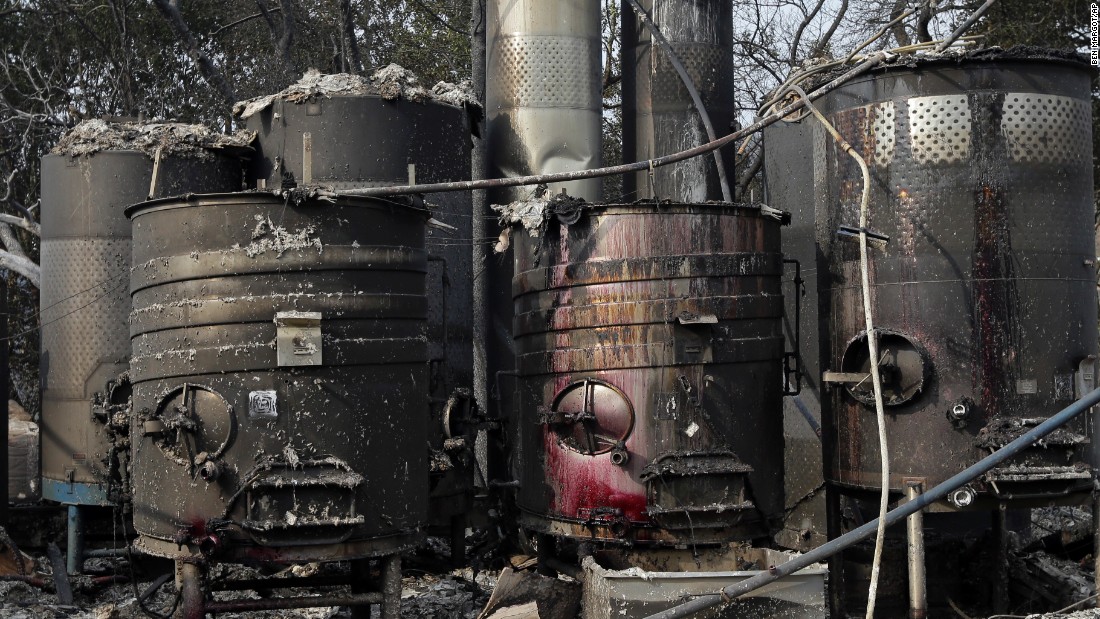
{"points": [[212, 75], [287, 40], [898, 30], [355, 61]]}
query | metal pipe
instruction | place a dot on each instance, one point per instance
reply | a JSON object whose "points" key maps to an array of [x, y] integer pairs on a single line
{"points": [[964, 26], [1096, 542], [4, 413], [914, 529], [74, 549], [391, 587], [252, 584], [539, 179], [33, 581], [236, 606], [855, 536]]}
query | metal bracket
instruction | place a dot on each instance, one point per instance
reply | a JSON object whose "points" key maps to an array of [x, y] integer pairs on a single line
{"points": [[850, 233], [792, 361], [844, 377]]}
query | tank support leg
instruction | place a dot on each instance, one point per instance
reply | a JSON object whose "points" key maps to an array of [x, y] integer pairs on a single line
{"points": [[192, 604], [458, 540], [836, 562], [1096, 542], [391, 587], [914, 528], [1000, 577], [75, 546], [360, 583]]}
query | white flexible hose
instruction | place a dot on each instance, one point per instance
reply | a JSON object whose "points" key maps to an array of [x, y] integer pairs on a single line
{"points": [[872, 347]]}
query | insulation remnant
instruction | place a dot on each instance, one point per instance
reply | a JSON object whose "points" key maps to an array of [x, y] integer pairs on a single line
{"points": [[391, 83], [269, 237], [533, 212], [93, 136]]}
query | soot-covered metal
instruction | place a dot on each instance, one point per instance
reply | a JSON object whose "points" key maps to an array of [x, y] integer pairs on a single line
{"points": [[984, 296], [255, 435], [85, 262], [323, 140], [649, 352]]}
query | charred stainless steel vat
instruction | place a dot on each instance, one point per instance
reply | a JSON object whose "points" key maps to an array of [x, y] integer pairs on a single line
{"points": [[279, 373], [985, 294], [85, 304], [649, 351], [323, 141], [659, 117]]}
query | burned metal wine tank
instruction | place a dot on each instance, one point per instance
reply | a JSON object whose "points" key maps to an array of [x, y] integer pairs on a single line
{"points": [[984, 296], [279, 365], [85, 303], [649, 351], [356, 141]]}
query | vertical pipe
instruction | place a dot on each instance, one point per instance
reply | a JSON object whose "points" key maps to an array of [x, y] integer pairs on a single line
{"points": [[1000, 561], [75, 547], [391, 587], [481, 227], [836, 561], [4, 415], [659, 116], [914, 529], [1096, 542]]}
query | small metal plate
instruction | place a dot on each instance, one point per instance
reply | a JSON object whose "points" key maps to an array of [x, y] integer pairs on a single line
{"points": [[263, 405], [298, 338]]}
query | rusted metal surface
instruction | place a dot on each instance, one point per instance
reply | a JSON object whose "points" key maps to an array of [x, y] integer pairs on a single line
{"points": [[408, 143], [789, 168], [237, 457], [659, 117], [982, 180], [85, 261], [649, 351]]}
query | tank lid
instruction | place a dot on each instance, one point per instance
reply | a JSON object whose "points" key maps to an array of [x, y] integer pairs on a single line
{"points": [[962, 57], [192, 140], [389, 83]]}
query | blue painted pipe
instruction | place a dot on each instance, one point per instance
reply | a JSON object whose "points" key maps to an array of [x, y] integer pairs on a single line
{"points": [[898, 514]]}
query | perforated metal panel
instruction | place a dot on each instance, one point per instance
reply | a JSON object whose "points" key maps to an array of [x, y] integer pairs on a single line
{"points": [[939, 128], [883, 131], [541, 71], [707, 65], [82, 301], [1047, 128]]}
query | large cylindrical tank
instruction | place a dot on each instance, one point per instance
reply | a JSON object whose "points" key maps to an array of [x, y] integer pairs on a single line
{"points": [[279, 370], [649, 351], [659, 117], [985, 294], [84, 300], [323, 141]]}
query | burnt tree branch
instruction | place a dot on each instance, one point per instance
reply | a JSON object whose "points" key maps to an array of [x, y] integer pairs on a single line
{"points": [[211, 73]]}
